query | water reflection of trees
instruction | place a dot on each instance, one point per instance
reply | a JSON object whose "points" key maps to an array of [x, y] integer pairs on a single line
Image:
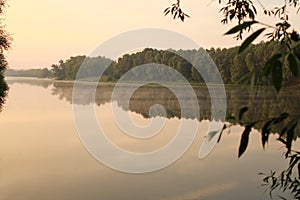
{"points": [[45, 83], [263, 102]]}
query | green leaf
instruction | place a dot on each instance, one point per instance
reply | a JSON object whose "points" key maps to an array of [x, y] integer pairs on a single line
{"points": [[230, 117], [211, 135], [231, 16], [293, 64], [269, 64], [251, 14], [242, 111], [167, 12], [240, 27], [277, 74], [289, 138], [181, 17], [250, 39], [280, 118], [175, 15], [245, 139], [265, 132], [282, 140], [224, 127], [167, 9], [254, 9], [289, 129], [267, 127], [186, 15], [172, 10]]}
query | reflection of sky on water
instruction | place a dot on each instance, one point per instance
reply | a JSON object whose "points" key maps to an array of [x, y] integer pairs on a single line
{"points": [[41, 157]]}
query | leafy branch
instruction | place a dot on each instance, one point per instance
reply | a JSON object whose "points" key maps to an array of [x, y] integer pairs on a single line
{"points": [[176, 11], [286, 180], [244, 13], [286, 135]]}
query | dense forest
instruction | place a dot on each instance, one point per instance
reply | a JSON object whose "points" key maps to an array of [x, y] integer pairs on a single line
{"points": [[245, 68]]}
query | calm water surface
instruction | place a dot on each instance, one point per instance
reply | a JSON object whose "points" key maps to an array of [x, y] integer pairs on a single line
{"points": [[41, 155]]}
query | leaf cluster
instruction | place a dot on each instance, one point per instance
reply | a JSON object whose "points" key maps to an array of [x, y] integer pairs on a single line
{"points": [[286, 180], [274, 65], [176, 11], [244, 12]]}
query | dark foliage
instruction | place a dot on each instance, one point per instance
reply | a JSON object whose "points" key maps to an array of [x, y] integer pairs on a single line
{"points": [[5, 41], [246, 68]]}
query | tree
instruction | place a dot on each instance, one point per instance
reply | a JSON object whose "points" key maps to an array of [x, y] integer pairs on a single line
{"points": [[5, 41], [238, 69], [243, 13]]}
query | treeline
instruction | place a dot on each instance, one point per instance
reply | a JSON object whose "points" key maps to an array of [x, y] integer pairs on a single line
{"points": [[37, 73], [245, 68], [91, 68]]}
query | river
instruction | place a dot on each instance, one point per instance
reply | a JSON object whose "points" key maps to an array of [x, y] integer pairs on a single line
{"points": [[42, 156]]}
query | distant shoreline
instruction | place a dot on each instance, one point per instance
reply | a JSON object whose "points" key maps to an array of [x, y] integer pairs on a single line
{"points": [[113, 83]]}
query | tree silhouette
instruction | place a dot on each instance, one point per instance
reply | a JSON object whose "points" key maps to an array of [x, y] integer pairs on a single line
{"points": [[5, 41]]}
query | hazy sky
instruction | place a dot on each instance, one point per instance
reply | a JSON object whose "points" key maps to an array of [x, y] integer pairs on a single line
{"points": [[45, 31]]}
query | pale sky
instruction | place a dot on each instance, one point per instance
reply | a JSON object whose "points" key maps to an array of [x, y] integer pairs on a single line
{"points": [[45, 31]]}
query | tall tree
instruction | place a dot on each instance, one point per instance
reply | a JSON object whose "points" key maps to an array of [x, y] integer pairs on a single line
{"points": [[5, 41]]}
